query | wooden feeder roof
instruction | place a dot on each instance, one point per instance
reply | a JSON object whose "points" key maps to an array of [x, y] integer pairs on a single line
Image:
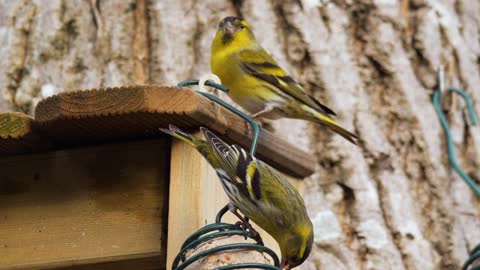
{"points": [[87, 117]]}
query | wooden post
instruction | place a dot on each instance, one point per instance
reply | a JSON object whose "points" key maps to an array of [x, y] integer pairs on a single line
{"points": [[195, 196]]}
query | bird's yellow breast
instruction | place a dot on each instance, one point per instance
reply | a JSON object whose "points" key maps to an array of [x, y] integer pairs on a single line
{"points": [[245, 90]]}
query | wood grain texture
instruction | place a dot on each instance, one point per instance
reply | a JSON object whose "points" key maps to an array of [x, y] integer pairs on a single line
{"points": [[101, 207], [18, 134], [134, 112], [195, 196]]}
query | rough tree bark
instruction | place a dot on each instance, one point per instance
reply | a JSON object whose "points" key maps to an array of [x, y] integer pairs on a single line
{"points": [[391, 203]]}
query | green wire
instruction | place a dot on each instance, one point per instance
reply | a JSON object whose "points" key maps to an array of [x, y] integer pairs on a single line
{"points": [[474, 255], [235, 246], [448, 134], [249, 265], [223, 229], [255, 126]]}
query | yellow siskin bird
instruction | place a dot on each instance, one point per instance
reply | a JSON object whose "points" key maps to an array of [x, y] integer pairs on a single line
{"points": [[258, 83], [260, 192]]}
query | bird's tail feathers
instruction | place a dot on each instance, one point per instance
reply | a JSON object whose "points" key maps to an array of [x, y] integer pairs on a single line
{"points": [[334, 126], [180, 134], [344, 133]]}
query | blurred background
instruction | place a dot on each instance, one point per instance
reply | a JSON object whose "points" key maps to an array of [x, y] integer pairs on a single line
{"points": [[393, 202]]}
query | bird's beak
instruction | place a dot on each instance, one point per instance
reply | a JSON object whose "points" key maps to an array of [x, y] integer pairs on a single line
{"points": [[284, 265], [228, 28]]}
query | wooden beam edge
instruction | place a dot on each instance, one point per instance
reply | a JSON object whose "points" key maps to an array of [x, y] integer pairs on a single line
{"points": [[155, 259], [187, 107], [271, 149], [14, 125], [19, 134]]}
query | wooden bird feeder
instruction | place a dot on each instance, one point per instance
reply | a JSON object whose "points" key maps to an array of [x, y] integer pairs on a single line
{"points": [[91, 183]]}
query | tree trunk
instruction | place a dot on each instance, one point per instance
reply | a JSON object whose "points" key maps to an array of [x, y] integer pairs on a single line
{"points": [[393, 202]]}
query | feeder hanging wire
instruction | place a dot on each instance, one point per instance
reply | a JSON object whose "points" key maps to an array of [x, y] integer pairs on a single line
{"points": [[443, 120], [256, 128]]}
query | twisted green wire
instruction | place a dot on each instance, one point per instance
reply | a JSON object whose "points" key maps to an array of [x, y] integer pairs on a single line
{"points": [[236, 246], [448, 134], [223, 229]]}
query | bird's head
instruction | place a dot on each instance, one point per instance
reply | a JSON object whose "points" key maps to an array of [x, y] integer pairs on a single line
{"points": [[234, 30], [296, 246]]}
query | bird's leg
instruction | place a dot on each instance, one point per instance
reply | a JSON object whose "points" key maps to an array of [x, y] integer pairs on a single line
{"points": [[268, 108], [244, 224], [255, 115], [255, 235]]}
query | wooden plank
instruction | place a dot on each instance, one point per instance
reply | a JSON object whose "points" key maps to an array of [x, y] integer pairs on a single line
{"points": [[196, 196], [134, 261], [107, 114], [101, 207], [18, 134]]}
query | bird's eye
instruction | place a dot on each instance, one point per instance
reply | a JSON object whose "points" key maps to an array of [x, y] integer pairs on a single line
{"points": [[242, 26]]}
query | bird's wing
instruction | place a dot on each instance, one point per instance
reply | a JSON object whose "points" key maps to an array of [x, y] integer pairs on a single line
{"points": [[258, 63], [225, 155], [264, 191], [237, 164], [253, 178], [278, 188]]}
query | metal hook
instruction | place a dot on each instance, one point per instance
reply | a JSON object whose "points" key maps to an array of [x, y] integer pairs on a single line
{"points": [[255, 126], [444, 122], [221, 213], [207, 77]]}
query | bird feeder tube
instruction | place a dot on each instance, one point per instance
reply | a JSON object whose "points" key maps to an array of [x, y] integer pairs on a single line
{"points": [[91, 183]]}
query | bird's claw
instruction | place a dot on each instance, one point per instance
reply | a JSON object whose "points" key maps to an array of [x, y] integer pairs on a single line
{"points": [[256, 236], [246, 226], [241, 225]]}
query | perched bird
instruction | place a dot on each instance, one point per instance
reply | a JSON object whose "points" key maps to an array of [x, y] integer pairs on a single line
{"points": [[258, 83], [260, 192]]}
